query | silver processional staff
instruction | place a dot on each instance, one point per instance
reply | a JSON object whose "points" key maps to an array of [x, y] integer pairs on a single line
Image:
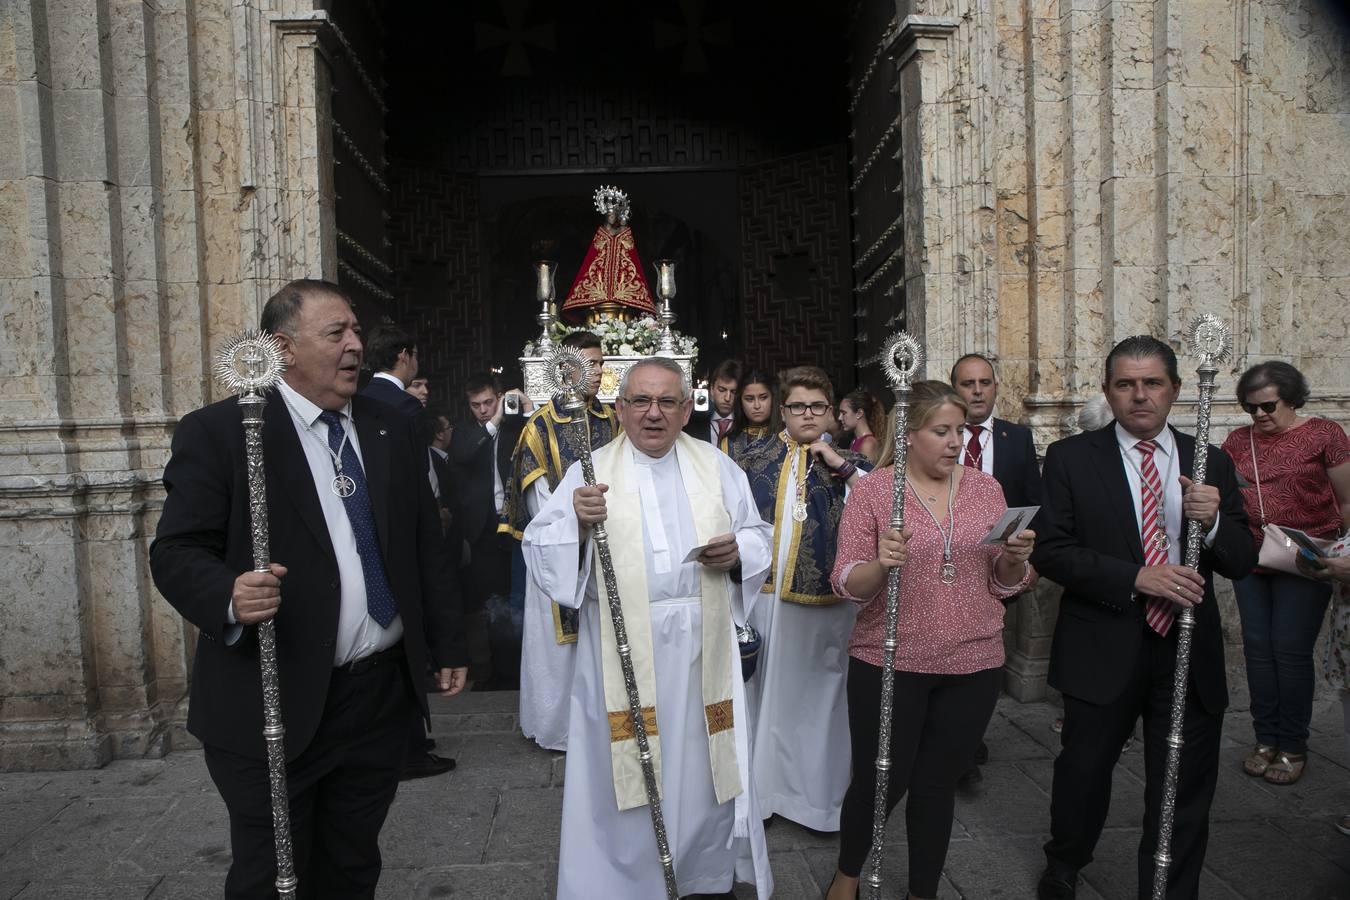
{"points": [[901, 357], [1210, 339], [250, 365]]}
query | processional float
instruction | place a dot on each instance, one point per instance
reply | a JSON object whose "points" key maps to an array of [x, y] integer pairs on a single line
{"points": [[568, 373], [901, 357], [1210, 339], [610, 296], [250, 365]]}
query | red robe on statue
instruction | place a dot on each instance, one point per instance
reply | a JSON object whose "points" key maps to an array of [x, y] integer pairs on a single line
{"points": [[611, 273]]}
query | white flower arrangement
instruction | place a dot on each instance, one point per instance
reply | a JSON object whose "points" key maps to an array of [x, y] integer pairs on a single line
{"points": [[635, 337]]}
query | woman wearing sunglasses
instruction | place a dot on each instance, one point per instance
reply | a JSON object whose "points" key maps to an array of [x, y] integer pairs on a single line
{"points": [[1298, 473]]}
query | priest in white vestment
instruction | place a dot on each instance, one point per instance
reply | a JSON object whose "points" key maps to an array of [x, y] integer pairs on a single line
{"points": [[661, 495]]}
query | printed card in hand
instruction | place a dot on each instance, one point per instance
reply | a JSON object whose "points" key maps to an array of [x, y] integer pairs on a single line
{"points": [[1012, 523]]}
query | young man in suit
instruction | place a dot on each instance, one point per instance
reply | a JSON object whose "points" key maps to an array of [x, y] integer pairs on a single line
{"points": [[366, 593], [713, 424], [1112, 531], [392, 353], [480, 460]]}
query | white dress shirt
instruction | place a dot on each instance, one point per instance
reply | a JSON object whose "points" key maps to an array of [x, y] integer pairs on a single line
{"points": [[358, 634], [431, 470], [713, 432], [394, 378], [986, 445], [1165, 457], [498, 489]]}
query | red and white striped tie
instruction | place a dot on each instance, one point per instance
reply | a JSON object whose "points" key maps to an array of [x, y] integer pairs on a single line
{"points": [[1159, 611]]}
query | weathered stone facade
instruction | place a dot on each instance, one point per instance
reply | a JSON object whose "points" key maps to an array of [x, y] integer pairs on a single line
{"points": [[1076, 171], [1069, 172]]}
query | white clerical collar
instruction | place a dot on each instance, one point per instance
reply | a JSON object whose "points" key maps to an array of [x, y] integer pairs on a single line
{"points": [[644, 459], [306, 409], [1166, 443], [394, 378]]}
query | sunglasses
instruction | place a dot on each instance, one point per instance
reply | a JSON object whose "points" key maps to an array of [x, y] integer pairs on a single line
{"points": [[1268, 407]]}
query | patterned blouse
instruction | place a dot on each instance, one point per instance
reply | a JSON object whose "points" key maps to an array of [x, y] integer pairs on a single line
{"points": [[944, 629], [1294, 483]]}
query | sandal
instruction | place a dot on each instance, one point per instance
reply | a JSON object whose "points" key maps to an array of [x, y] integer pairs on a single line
{"points": [[1287, 768], [1260, 760]]}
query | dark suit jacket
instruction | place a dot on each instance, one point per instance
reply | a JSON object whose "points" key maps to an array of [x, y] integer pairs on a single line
{"points": [[1088, 541], [203, 543], [1015, 466], [699, 425], [471, 461], [385, 391]]}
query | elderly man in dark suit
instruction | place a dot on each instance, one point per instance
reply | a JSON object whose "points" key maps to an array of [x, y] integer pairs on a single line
{"points": [[1112, 530], [359, 590]]}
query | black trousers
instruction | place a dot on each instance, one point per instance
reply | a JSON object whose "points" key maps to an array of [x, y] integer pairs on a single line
{"points": [[1091, 742], [489, 568], [936, 725], [340, 789]]}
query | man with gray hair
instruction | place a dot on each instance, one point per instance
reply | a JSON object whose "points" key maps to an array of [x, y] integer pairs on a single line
{"points": [[690, 552]]}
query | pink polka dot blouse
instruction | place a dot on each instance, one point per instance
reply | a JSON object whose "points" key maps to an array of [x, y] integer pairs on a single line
{"points": [[943, 629]]}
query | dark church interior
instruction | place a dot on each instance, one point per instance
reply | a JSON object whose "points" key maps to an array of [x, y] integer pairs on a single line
{"points": [[476, 148]]}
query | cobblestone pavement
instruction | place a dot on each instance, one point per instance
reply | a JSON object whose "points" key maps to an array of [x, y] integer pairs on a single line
{"points": [[156, 828]]}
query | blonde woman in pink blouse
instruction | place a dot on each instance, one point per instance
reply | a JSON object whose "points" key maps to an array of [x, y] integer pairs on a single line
{"points": [[950, 631]]}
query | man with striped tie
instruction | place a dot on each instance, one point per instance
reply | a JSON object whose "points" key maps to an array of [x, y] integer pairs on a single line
{"points": [[1112, 527]]}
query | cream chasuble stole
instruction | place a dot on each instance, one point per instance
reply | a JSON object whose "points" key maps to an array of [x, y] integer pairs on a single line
{"points": [[614, 466]]}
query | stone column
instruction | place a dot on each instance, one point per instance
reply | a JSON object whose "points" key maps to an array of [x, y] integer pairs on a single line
{"points": [[159, 177]]}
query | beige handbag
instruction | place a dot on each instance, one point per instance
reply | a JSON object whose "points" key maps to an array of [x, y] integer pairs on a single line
{"points": [[1278, 552]]}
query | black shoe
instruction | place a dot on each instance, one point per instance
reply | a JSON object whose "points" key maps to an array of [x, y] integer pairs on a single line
{"points": [[425, 766], [428, 745], [982, 754], [1056, 884], [969, 780]]}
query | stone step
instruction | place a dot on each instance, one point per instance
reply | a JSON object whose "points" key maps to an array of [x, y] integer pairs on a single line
{"points": [[475, 711]]}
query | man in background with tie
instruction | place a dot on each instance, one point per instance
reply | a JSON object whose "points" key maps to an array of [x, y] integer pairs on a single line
{"points": [[713, 424], [1112, 532], [999, 448], [995, 446], [359, 590]]}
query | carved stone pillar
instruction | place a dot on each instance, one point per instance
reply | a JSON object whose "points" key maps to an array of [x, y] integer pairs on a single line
{"points": [[162, 170]]}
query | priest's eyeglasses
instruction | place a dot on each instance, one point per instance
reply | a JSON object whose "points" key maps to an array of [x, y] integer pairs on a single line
{"points": [[1268, 407], [819, 408], [667, 405]]}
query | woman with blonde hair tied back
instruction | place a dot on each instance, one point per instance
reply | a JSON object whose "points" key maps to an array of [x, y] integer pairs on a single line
{"points": [[950, 633]]}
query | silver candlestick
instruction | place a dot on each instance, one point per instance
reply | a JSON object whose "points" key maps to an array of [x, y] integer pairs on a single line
{"points": [[1210, 339], [568, 374], [250, 365], [545, 272], [665, 289], [901, 357]]}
